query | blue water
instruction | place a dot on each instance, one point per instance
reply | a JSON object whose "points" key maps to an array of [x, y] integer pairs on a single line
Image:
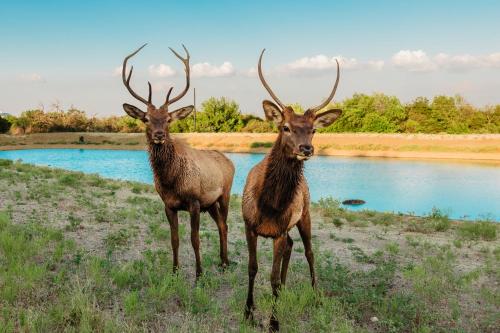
{"points": [[459, 189]]}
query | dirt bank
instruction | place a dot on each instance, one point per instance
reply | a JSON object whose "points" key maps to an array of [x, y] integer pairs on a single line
{"points": [[475, 147]]}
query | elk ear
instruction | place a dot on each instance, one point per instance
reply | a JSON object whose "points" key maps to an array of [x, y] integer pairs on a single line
{"points": [[182, 112], [326, 118], [134, 112], [272, 111]]}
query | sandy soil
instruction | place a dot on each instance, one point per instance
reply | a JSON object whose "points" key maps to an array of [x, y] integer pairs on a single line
{"points": [[475, 147]]}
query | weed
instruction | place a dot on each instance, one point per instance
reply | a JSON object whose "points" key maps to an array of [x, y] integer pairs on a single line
{"points": [[74, 222], [70, 179], [117, 239], [439, 220], [330, 207], [478, 230], [337, 222], [392, 248], [385, 219]]}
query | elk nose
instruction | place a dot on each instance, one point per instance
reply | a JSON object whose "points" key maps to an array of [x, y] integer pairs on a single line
{"points": [[307, 150], [159, 135]]}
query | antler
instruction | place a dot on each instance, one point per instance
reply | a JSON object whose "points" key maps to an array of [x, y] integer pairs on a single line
{"points": [[126, 80], [328, 100], [261, 76], [185, 61]]}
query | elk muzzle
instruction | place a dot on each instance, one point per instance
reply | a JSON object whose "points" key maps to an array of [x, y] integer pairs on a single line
{"points": [[159, 137], [306, 151]]}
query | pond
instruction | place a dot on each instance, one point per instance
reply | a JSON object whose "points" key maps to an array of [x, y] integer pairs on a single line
{"points": [[459, 189]]}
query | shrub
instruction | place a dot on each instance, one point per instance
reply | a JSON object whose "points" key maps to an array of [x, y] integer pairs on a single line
{"points": [[478, 230], [439, 220], [5, 125]]}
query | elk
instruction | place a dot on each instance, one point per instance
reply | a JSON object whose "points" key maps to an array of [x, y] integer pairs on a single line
{"points": [[186, 179], [276, 194]]}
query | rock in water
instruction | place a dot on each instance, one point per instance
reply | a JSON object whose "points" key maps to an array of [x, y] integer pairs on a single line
{"points": [[353, 202]]}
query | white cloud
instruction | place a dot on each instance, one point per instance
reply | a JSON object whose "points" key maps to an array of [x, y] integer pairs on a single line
{"points": [[117, 71], [161, 70], [251, 72], [419, 61], [322, 62], [414, 61], [375, 64], [206, 69], [33, 77], [458, 62], [161, 86], [493, 60]]}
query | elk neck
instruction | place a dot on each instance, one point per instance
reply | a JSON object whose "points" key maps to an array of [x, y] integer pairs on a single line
{"points": [[282, 177], [164, 160]]}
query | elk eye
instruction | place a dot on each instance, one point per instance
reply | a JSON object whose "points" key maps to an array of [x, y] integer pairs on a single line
{"points": [[286, 128], [314, 130]]}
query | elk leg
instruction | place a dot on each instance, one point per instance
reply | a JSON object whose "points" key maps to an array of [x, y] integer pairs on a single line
{"points": [[304, 227], [194, 211], [252, 271], [279, 247], [223, 211], [286, 258], [174, 235], [216, 214]]}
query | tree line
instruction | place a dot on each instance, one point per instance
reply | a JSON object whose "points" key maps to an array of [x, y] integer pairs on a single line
{"points": [[361, 113]]}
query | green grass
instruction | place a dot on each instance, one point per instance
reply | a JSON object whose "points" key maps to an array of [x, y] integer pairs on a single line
{"points": [[258, 144], [478, 230], [99, 260]]}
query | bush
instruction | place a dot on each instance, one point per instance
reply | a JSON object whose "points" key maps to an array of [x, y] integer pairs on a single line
{"points": [[478, 230], [361, 113], [219, 115], [439, 220], [5, 125]]}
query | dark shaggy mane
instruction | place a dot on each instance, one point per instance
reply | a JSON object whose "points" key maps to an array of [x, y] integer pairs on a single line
{"points": [[164, 163], [282, 178]]}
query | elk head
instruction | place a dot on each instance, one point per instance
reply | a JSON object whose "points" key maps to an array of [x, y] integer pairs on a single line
{"points": [[296, 130], [157, 120]]}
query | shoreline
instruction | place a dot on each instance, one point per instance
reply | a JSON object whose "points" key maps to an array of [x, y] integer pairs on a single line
{"points": [[482, 148]]}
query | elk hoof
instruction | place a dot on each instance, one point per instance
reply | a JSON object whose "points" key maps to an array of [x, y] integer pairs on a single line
{"points": [[249, 314], [274, 325]]}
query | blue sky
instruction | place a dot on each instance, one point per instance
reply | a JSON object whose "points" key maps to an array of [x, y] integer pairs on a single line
{"points": [[68, 51]]}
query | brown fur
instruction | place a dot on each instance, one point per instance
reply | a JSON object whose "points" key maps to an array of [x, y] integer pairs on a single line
{"points": [[185, 178], [276, 195], [192, 180]]}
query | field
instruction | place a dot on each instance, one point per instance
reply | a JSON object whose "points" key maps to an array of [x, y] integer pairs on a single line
{"points": [[83, 253], [479, 147]]}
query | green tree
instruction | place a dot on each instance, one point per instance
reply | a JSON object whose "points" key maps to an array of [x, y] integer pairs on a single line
{"points": [[418, 111], [375, 113], [219, 115], [375, 122]]}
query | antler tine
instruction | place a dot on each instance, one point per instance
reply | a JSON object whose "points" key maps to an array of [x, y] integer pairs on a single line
{"points": [[168, 95], [126, 79], [150, 94], [185, 61], [187, 52], [329, 99], [269, 90]]}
